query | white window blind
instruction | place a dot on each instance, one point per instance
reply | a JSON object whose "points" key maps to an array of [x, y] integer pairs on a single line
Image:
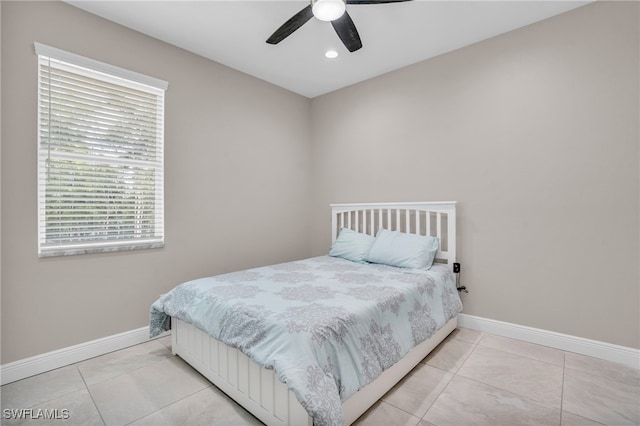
{"points": [[100, 156]]}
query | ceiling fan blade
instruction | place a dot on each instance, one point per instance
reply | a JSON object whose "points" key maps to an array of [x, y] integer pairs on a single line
{"points": [[346, 30], [295, 22], [374, 1]]}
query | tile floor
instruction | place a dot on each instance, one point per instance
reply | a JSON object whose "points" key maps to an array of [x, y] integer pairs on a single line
{"points": [[472, 378]]}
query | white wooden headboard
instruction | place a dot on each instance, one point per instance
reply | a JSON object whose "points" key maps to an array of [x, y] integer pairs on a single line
{"points": [[437, 219]]}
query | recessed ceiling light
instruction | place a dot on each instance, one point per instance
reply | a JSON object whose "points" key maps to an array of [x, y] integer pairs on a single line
{"points": [[331, 54]]}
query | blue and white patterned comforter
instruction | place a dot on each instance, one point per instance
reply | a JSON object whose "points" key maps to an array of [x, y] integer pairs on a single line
{"points": [[325, 325]]}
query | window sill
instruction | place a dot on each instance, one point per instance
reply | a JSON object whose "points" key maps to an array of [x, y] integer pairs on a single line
{"points": [[106, 248]]}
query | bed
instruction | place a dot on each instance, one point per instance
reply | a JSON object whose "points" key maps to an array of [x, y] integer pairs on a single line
{"points": [[320, 340]]}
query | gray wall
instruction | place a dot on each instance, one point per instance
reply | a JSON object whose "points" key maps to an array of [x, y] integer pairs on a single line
{"points": [[535, 134], [232, 143]]}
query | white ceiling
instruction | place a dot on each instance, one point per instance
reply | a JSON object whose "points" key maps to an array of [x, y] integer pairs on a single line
{"points": [[233, 33]]}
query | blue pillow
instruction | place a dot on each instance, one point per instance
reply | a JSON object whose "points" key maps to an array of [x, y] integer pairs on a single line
{"points": [[403, 250], [351, 245]]}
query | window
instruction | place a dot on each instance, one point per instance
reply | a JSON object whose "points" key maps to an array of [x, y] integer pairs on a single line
{"points": [[100, 156]]}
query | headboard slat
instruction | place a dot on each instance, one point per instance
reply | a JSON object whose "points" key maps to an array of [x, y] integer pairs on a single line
{"points": [[364, 221]]}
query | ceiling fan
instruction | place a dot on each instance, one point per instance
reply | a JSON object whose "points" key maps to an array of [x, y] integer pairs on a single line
{"points": [[327, 10]]}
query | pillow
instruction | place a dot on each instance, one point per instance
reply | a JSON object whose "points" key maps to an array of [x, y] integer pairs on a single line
{"points": [[351, 245], [403, 250]]}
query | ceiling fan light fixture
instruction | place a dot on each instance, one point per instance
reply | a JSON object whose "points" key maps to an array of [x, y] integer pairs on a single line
{"points": [[328, 10]]}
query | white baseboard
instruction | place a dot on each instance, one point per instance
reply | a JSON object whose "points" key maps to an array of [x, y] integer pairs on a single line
{"points": [[565, 342], [28, 367]]}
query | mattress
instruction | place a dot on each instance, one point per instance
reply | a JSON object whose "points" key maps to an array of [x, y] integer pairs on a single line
{"points": [[325, 325]]}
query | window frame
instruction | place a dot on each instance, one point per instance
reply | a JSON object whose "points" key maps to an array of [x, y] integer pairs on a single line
{"points": [[100, 71]]}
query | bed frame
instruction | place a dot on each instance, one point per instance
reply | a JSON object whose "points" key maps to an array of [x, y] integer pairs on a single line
{"points": [[258, 389]]}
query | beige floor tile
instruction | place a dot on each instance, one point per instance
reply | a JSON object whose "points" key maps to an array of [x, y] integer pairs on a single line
{"points": [[166, 340], [385, 414], [570, 419], [113, 364], [417, 391], [449, 355], [599, 367], [131, 396], [526, 349], [468, 335], [74, 409], [537, 380], [207, 407], [596, 398], [35, 390], [468, 402], [471, 378]]}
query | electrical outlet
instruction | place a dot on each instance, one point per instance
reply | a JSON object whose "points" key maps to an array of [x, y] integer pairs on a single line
{"points": [[456, 268]]}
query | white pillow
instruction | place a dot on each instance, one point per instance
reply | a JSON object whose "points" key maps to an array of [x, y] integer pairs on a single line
{"points": [[351, 245], [403, 250]]}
